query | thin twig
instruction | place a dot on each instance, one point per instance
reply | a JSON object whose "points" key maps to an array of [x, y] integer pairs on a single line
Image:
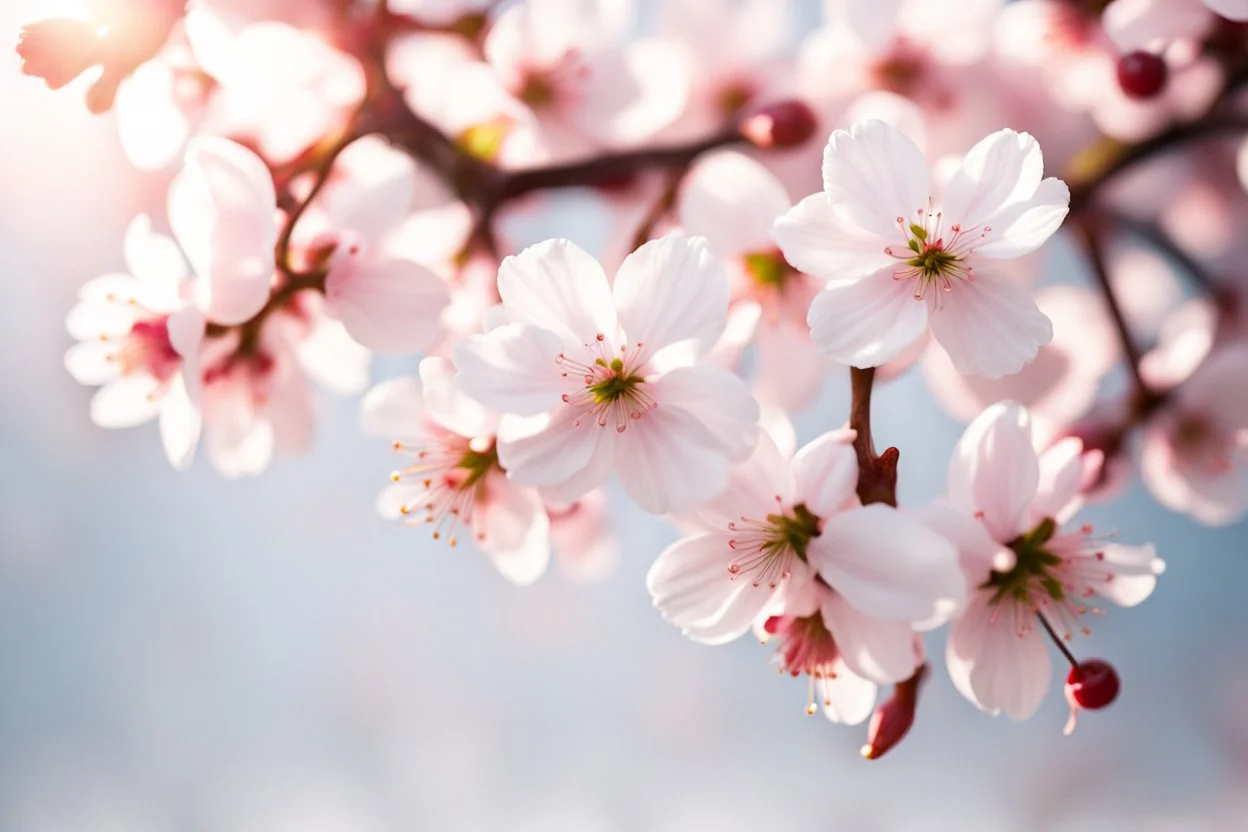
{"points": [[877, 473]]}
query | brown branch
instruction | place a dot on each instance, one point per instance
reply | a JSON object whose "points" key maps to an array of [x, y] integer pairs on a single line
{"points": [[877, 473], [1153, 235]]}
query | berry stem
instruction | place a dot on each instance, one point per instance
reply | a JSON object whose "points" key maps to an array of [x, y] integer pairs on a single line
{"points": [[1061, 644]]}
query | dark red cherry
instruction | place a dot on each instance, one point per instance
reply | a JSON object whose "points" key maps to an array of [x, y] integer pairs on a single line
{"points": [[1141, 74]]}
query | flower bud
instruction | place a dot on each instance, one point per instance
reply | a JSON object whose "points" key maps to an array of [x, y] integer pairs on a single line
{"points": [[783, 124], [891, 721]]}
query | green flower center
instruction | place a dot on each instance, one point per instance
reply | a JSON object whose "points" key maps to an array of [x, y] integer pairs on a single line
{"points": [[616, 386], [478, 465], [768, 269], [1034, 567]]}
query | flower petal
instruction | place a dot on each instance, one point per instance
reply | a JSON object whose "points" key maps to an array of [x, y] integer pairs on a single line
{"points": [[512, 369], [390, 306], [513, 530], [994, 665], [990, 326], [875, 176], [670, 461], [180, 424], [127, 401], [448, 406], [826, 471], [999, 171], [1023, 227], [888, 564], [732, 201], [817, 241], [394, 409], [718, 399], [558, 286], [692, 588], [549, 450], [850, 698], [866, 322], [1061, 475], [994, 472], [1134, 570], [672, 291], [876, 649]]}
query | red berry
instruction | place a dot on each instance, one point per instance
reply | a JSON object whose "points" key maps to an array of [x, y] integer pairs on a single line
{"points": [[1141, 74], [1092, 685], [783, 124]]}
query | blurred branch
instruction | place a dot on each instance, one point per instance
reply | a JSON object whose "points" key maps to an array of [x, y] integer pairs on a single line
{"points": [[1154, 236]]}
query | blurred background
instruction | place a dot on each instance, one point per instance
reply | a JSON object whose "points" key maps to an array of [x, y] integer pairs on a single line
{"points": [[179, 652]]}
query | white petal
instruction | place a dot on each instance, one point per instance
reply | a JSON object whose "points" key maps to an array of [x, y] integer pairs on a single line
{"points": [[874, 176], [550, 450], [376, 192], [448, 406], [1145, 24], [630, 94], [866, 322], [153, 258], [1061, 475], [333, 359], [1134, 570], [221, 208], [392, 307], [1025, 226], [876, 649], [978, 553], [888, 564], [91, 362], [755, 488], [127, 401], [394, 409], [150, 124], [180, 424], [669, 461], [995, 471], [851, 698], [672, 291], [1002, 169], [559, 287], [732, 201], [990, 326], [993, 665], [512, 369], [515, 529], [692, 588], [817, 241], [240, 444], [826, 470], [718, 399]]}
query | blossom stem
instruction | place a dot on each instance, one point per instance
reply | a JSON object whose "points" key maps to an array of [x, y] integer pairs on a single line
{"points": [[1152, 234], [877, 473], [660, 207], [1061, 644], [1090, 231]]}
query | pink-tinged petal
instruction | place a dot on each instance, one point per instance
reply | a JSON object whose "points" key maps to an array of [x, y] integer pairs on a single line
{"points": [[375, 192], [850, 698], [994, 666], [186, 328], [756, 488], [448, 406], [1236, 10], [512, 369], [583, 542], [874, 176], [629, 95], [826, 471], [693, 590], [978, 554], [672, 291], [180, 424], [397, 500], [1062, 475], [92, 362], [874, 24], [557, 286], [1023, 227], [513, 530], [876, 649], [790, 370], [820, 243], [91, 319], [994, 472], [393, 307], [990, 326], [127, 401], [888, 564], [150, 124], [221, 208], [670, 461], [551, 450], [718, 399], [290, 411], [1149, 24], [732, 201], [394, 409], [1002, 169], [241, 446], [866, 322], [154, 260], [1218, 389], [1134, 570], [1213, 497]]}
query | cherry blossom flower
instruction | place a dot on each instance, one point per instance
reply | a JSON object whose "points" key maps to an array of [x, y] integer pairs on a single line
{"points": [[593, 377], [1195, 453], [1027, 570], [900, 260], [138, 332], [733, 201], [454, 481], [840, 582]]}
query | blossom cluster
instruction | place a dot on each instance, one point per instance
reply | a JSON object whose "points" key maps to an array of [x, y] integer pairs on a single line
{"points": [[870, 198]]}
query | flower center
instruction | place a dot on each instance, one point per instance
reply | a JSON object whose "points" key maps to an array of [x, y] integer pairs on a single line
{"points": [[734, 96], [765, 549], [485, 140], [933, 257], [768, 269], [452, 476], [610, 388], [806, 647]]}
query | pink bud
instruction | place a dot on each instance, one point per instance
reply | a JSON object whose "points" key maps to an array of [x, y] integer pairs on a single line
{"points": [[780, 125], [891, 721]]}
